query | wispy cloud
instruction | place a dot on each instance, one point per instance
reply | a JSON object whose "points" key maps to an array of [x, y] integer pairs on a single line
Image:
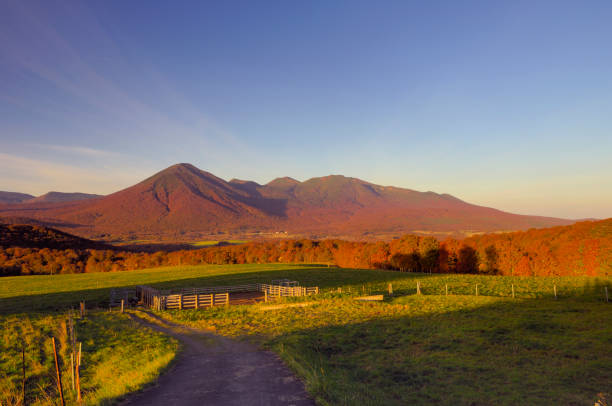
{"points": [[30, 43], [77, 150]]}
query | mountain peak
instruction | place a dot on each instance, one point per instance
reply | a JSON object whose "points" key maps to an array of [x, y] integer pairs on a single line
{"points": [[285, 181]]}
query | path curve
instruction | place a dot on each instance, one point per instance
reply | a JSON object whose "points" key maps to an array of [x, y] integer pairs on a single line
{"points": [[215, 370]]}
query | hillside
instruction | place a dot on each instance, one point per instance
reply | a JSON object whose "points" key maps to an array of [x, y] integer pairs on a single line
{"points": [[27, 236], [58, 197], [50, 197], [584, 248], [183, 201], [13, 197]]}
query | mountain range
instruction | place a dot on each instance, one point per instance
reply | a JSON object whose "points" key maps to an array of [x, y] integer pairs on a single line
{"points": [[50, 197], [184, 202]]}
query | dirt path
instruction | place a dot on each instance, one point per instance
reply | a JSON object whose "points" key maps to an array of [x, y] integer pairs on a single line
{"points": [[214, 370]]}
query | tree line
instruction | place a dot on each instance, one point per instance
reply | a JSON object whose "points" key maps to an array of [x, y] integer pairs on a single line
{"points": [[581, 249]]}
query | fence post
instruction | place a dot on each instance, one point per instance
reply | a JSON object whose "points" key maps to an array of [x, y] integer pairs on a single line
{"points": [[266, 296], [78, 375], [72, 369], [227, 298], [476, 289], [418, 288], [23, 376], [57, 371], [122, 302], [555, 290], [82, 304], [181, 301], [316, 290], [446, 286], [390, 289], [513, 291], [197, 301], [606, 290]]}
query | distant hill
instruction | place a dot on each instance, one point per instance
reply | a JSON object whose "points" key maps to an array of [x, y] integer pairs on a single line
{"points": [[58, 197], [27, 236], [14, 197], [50, 197], [183, 199]]}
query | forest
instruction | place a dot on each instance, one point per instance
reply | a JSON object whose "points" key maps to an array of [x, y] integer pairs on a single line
{"points": [[584, 248]]}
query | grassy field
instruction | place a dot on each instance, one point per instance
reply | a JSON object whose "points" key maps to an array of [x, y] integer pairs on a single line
{"points": [[51, 292], [409, 349], [433, 349]]}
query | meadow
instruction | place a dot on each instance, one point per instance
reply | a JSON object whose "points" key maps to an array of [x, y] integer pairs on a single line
{"points": [[408, 349]]}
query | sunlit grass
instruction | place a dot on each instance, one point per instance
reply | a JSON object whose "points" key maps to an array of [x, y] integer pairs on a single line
{"points": [[118, 357], [432, 349]]}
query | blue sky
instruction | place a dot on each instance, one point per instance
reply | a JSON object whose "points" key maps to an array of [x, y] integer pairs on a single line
{"points": [[505, 104]]}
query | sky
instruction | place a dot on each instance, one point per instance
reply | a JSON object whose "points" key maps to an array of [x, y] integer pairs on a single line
{"points": [[505, 104]]}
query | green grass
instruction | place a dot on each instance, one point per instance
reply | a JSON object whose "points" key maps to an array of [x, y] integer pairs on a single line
{"points": [[118, 357], [207, 243], [48, 292], [452, 350], [409, 349]]}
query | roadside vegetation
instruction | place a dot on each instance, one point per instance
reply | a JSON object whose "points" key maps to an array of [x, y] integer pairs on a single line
{"points": [[118, 357]]}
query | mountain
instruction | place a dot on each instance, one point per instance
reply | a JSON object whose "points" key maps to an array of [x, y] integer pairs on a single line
{"points": [[14, 197], [183, 201], [57, 197]]}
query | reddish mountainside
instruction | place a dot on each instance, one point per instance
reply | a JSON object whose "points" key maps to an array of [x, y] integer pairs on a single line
{"points": [[183, 199]]}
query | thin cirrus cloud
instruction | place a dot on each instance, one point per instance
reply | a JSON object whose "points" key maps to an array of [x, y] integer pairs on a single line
{"points": [[77, 150]]}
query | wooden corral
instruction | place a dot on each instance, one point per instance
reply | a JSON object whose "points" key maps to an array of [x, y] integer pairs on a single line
{"points": [[196, 298]]}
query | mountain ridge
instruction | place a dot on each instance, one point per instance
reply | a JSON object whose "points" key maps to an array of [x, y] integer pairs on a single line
{"points": [[183, 200]]}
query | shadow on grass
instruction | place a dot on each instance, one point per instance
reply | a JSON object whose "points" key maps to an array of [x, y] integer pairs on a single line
{"points": [[80, 287], [505, 353]]}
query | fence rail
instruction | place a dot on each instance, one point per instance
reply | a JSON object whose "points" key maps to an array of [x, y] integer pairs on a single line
{"points": [[196, 298]]}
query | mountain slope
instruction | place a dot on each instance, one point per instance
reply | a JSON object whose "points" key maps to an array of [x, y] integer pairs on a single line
{"points": [[13, 197], [184, 200]]}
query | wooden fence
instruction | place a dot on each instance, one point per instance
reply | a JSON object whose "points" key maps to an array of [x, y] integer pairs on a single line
{"points": [[196, 298], [126, 295]]}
